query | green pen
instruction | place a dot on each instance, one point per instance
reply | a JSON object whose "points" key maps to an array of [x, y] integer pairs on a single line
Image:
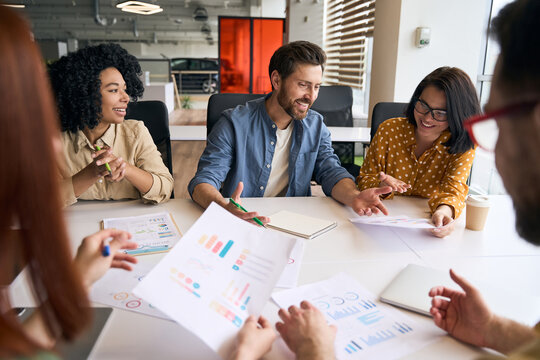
{"points": [[106, 164], [244, 210]]}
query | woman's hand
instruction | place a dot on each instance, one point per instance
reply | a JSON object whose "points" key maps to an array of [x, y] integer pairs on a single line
{"points": [[443, 219], [92, 264], [395, 184]]}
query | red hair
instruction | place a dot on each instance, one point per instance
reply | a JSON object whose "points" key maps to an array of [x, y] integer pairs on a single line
{"points": [[30, 195]]}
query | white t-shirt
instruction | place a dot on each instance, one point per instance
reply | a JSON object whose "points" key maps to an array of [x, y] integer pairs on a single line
{"points": [[279, 173]]}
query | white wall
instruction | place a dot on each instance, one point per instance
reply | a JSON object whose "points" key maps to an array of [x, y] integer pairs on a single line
{"points": [[311, 30], [188, 49], [271, 8], [457, 32]]}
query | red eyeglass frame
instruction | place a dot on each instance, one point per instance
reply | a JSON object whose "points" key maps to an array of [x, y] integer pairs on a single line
{"points": [[506, 110]]}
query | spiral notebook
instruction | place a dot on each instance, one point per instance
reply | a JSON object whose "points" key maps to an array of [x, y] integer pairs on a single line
{"points": [[300, 225]]}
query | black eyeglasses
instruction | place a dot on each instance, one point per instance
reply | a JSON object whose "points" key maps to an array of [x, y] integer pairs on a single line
{"points": [[423, 108]]}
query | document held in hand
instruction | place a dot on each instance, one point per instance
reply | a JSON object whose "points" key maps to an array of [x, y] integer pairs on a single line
{"points": [[300, 225], [223, 270]]}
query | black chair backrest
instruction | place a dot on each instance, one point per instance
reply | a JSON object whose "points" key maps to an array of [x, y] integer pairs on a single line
{"points": [[155, 116], [384, 111], [220, 102], [335, 105]]}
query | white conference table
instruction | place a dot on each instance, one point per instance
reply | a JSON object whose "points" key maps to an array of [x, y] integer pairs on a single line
{"points": [[496, 260], [338, 134]]}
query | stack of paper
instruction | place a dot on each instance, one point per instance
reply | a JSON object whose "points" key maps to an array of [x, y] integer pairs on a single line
{"points": [[300, 225]]}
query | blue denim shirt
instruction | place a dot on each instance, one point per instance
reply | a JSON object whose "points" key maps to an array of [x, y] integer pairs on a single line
{"points": [[241, 146]]}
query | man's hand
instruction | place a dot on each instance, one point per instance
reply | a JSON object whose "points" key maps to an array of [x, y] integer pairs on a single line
{"points": [[306, 332], [395, 184], [248, 216], [254, 339], [465, 316], [368, 201]]}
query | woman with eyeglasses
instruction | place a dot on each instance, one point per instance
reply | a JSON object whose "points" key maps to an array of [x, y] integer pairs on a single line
{"points": [[428, 152]]}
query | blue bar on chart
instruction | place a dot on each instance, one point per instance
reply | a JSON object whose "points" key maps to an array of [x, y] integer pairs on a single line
{"points": [[402, 328], [353, 347], [370, 318], [226, 248], [348, 311], [379, 337], [367, 304]]}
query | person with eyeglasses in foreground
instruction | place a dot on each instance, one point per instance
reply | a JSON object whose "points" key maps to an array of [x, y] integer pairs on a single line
{"points": [[510, 127], [427, 153]]}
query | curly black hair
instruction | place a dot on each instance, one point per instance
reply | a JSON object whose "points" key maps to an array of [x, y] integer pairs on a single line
{"points": [[76, 84]]}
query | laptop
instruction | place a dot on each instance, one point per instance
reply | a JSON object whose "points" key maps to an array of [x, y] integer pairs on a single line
{"points": [[83, 345], [409, 289]]}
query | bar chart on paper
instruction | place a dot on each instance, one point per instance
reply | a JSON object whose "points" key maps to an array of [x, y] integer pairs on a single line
{"points": [[367, 329], [215, 246], [223, 270]]}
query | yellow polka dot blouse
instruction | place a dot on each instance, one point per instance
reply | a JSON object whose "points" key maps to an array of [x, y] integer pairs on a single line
{"points": [[437, 174]]}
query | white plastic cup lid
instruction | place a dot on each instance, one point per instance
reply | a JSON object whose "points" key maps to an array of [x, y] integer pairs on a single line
{"points": [[478, 200]]}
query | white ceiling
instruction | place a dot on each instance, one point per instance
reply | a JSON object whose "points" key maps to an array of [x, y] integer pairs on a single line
{"points": [[64, 19]]}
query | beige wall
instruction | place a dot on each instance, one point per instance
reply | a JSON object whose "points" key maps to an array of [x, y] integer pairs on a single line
{"points": [[311, 30]]}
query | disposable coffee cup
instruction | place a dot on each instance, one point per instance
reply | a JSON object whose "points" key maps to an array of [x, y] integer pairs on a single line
{"points": [[477, 212]]}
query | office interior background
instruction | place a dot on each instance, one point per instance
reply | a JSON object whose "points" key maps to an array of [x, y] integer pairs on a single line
{"points": [[373, 45]]}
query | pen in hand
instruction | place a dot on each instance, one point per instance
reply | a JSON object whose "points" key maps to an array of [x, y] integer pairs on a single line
{"points": [[106, 251], [106, 164], [244, 210]]}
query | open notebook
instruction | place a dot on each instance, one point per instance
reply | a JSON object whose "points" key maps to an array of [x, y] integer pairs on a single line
{"points": [[300, 225]]}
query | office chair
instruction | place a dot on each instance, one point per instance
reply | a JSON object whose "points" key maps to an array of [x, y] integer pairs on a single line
{"points": [[334, 103], [220, 102], [384, 111], [155, 116]]}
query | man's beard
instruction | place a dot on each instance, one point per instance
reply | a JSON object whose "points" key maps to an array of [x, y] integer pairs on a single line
{"points": [[289, 107], [528, 222]]}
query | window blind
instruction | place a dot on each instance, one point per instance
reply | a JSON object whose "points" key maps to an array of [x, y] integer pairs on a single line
{"points": [[348, 24]]}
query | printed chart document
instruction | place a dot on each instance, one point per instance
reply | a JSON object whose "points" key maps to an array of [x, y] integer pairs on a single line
{"points": [[222, 271], [402, 221], [300, 225], [367, 329], [289, 276], [153, 233], [115, 289]]}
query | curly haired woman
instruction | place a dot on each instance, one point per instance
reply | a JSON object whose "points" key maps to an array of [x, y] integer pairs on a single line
{"points": [[92, 88]]}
